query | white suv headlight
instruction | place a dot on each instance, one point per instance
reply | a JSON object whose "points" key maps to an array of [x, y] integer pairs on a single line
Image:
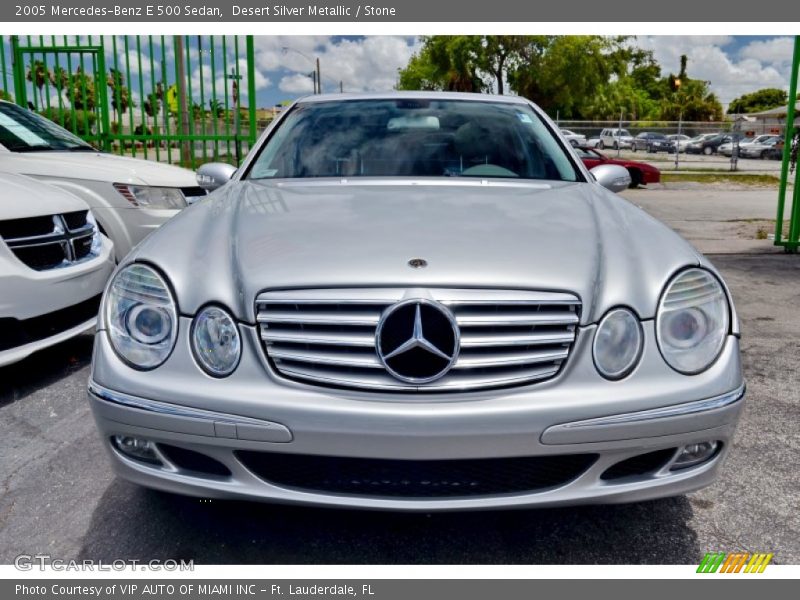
{"points": [[141, 316], [152, 197], [617, 343], [693, 320]]}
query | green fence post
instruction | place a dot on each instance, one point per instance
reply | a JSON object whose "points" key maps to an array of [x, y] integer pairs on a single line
{"points": [[251, 89], [791, 243]]}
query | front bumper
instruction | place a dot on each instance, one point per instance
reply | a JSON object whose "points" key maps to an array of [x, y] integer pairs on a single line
{"points": [[254, 410], [53, 304]]}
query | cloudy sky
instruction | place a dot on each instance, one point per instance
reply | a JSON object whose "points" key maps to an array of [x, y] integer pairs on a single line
{"points": [[734, 64]]}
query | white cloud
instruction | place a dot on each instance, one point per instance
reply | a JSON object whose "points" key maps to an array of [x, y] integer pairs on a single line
{"points": [[756, 67], [296, 84], [366, 64], [777, 51]]}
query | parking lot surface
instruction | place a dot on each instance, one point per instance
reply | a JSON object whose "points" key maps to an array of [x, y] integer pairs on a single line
{"points": [[59, 496]]}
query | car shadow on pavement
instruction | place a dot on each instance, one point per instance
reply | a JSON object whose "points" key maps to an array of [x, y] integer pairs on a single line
{"points": [[132, 523], [44, 368]]}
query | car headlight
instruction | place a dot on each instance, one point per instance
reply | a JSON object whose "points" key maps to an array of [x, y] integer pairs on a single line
{"points": [[215, 341], [617, 343], [692, 321], [152, 197], [141, 316], [97, 240]]}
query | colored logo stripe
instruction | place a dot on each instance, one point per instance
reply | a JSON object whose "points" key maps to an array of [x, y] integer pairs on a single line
{"points": [[734, 563]]}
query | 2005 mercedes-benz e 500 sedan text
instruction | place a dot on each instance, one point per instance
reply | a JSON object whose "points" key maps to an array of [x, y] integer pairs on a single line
{"points": [[416, 301]]}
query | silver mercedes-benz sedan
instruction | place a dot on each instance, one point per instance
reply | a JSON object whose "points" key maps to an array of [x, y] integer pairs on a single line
{"points": [[416, 301]]}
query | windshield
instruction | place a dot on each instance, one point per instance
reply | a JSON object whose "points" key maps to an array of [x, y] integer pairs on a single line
{"points": [[413, 137], [24, 131]]}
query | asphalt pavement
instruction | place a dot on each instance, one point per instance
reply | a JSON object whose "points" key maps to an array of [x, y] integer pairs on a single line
{"points": [[58, 494]]}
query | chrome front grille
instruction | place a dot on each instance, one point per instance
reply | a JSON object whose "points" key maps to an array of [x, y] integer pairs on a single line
{"points": [[51, 241], [327, 337]]}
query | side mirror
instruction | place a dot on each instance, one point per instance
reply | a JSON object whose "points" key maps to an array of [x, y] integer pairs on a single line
{"points": [[211, 176], [612, 177]]}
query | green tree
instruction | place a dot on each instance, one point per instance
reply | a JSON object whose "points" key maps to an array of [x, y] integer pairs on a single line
{"points": [[4, 95], [759, 100], [38, 74], [445, 63], [217, 108], [120, 94], [563, 73], [81, 91], [688, 99]]}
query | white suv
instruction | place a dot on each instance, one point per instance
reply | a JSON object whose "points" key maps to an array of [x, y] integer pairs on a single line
{"points": [[613, 137], [54, 264], [129, 197]]}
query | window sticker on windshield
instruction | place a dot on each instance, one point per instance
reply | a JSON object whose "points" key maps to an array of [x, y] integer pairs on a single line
{"points": [[20, 131], [524, 118]]}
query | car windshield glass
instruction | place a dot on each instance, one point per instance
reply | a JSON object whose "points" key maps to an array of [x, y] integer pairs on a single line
{"points": [[24, 131], [413, 137]]}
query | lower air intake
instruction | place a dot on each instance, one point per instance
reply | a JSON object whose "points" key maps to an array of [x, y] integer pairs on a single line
{"points": [[415, 478]]}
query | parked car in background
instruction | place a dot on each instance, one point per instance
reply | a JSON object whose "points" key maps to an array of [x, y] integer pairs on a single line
{"points": [[726, 149], [337, 337], [576, 139], [129, 197], [708, 144], [760, 149], [592, 142], [641, 173], [680, 140], [54, 264], [613, 137], [652, 142]]}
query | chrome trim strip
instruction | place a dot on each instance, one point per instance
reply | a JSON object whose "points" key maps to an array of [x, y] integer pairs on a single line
{"points": [[164, 408], [678, 410]]}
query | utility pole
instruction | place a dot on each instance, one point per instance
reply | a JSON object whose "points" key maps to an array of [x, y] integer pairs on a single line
{"points": [[619, 133], [680, 123], [236, 116], [319, 78]]}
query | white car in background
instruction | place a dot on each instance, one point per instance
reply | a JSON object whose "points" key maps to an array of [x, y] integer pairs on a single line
{"points": [[54, 264], [681, 141], [129, 197], [614, 138], [575, 139], [726, 149]]}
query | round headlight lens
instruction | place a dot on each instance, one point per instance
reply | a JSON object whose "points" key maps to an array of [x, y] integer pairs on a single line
{"points": [[216, 342], [617, 343], [692, 321], [141, 316]]}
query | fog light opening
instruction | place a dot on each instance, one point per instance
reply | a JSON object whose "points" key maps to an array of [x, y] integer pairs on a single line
{"points": [[695, 454], [136, 448]]}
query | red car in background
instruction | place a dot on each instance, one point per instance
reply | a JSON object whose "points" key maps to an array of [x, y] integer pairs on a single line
{"points": [[641, 173]]}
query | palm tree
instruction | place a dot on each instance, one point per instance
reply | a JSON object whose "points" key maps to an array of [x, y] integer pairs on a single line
{"points": [[38, 74], [120, 95], [217, 108]]}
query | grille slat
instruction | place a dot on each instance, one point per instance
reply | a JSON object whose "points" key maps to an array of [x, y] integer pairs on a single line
{"points": [[327, 337], [49, 242]]}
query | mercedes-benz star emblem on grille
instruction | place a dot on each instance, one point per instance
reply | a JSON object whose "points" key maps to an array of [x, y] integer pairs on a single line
{"points": [[417, 340]]}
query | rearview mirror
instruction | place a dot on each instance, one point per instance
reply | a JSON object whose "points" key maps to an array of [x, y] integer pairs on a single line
{"points": [[211, 176], [612, 177]]}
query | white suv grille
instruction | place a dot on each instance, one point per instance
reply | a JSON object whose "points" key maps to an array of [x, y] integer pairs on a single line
{"points": [[327, 336]]}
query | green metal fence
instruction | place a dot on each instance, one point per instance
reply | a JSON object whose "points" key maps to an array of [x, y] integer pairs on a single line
{"points": [[790, 151], [177, 99]]}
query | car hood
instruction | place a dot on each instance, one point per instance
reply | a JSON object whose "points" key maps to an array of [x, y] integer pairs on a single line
{"points": [[96, 166], [254, 235], [25, 197]]}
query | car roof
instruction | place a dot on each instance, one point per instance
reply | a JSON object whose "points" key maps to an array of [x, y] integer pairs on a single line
{"points": [[316, 98]]}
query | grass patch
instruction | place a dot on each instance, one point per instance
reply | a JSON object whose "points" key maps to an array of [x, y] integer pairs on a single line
{"points": [[754, 179]]}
